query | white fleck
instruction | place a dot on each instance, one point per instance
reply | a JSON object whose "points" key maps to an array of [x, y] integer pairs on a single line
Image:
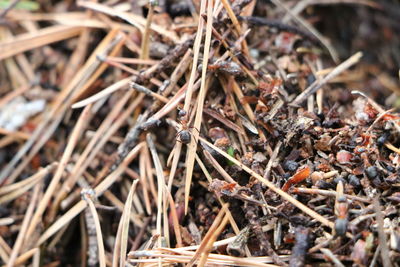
{"points": [[18, 111]]}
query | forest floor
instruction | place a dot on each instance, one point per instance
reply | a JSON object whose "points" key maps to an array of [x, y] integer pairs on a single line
{"points": [[207, 133]]}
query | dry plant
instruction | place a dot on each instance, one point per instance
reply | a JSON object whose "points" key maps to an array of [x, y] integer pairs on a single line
{"points": [[199, 133]]}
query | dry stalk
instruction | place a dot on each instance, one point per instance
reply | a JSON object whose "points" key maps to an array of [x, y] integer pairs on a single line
{"points": [[208, 248], [103, 93], [235, 21], [175, 220], [25, 256], [315, 86], [144, 182], [79, 127], [54, 116], [125, 224], [192, 146], [218, 167], [109, 126], [24, 226], [145, 48], [28, 41], [381, 234], [208, 237], [100, 189], [87, 196], [160, 189]]}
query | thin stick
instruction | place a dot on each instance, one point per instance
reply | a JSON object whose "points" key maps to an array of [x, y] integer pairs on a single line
{"points": [[175, 220], [208, 236], [302, 190], [332, 257], [125, 224], [385, 256], [218, 167], [208, 248], [148, 92], [271, 186], [103, 93], [160, 184], [319, 83], [100, 244], [145, 49]]}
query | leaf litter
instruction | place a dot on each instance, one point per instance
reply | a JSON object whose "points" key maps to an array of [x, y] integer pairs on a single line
{"points": [[228, 133]]}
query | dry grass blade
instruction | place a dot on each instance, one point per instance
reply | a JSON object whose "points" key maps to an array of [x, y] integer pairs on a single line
{"points": [[145, 48], [175, 220], [196, 49], [125, 224], [208, 248], [208, 237], [100, 189], [176, 153], [24, 257], [87, 195], [192, 147], [29, 41], [144, 182], [52, 118], [160, 188], [104, 93], [5, 250], [60, 169], [117, 245], [24, 226], [28, 181], [136, 21]]}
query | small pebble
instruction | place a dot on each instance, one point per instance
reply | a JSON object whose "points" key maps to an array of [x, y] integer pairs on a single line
{"points": [[316, 176], [371, 172], [290, 165]]}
